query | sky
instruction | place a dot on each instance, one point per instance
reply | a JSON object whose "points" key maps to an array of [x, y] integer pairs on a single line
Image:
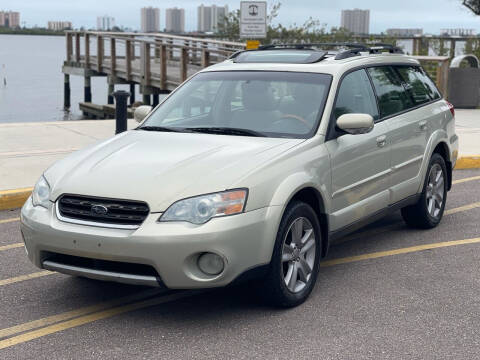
{"points": [[431, 15]]}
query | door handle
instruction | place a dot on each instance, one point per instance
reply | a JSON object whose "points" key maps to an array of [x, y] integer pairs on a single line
{"points": [[381, 141], [422, 125]]}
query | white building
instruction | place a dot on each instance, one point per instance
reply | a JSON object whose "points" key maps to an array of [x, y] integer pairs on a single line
{"points": [[59, 25], [209, 17], [175, 20], [105, 23], [356, 21], [404, 32], [458, 32], [150, 19]]}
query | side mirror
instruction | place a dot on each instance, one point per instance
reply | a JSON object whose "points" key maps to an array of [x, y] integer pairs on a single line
{"points": [[355, 123], [141, 112]]}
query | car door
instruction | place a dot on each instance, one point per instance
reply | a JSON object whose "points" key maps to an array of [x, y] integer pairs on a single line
{"points": [[359, 163], [400, 93]]}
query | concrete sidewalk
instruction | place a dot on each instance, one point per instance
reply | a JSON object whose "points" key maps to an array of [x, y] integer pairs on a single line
{"points": [[468, 130], [27, 149]]}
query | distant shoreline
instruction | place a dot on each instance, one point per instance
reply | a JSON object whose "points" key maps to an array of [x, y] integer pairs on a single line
{"points": [[4, 31]]}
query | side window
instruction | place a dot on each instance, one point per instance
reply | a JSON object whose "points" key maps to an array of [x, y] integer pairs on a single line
{"points": [[392, 97], [417, 90], [356, 96], [420, 87], [428, 83]]}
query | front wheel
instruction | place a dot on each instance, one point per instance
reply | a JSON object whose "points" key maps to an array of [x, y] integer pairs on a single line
{"points": [[428, 211], [296, 257]]}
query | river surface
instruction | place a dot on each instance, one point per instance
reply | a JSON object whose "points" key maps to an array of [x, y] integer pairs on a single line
{"points": [[31, 67]]}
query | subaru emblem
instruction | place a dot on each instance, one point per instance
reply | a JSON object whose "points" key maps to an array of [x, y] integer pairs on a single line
{"points": [[99, 209]]}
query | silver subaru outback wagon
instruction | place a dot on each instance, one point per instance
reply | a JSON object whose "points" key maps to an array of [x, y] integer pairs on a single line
{"points": [[252, 167]]}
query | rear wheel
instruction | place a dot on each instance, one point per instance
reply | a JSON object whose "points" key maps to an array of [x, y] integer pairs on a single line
{"points": [[428, 211], [296, 257]]}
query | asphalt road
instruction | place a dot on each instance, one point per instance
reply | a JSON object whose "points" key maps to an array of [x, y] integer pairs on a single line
{"points": [[395, 293]]}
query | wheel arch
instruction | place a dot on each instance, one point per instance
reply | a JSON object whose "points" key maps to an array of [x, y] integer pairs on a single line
{"points": [[438, 143], [442, 149], [311, 196]]}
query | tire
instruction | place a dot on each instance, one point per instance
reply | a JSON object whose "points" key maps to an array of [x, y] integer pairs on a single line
{"points": [[303, 254], [428, 211]]}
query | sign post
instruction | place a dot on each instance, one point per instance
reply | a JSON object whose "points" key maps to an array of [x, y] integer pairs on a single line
{"points": [[253, 22]]}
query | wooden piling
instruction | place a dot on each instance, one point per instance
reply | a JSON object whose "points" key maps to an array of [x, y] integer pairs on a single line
{"points": [[132, 93], [111, 90], [66, 92], [146, 99], [155, 100], [87, 94]]}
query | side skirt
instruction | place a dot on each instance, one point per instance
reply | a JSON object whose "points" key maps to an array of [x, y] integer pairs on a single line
{"points": [[338, 234]]}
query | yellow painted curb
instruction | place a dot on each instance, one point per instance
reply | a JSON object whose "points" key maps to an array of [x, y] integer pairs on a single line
{"points": [[468, 162], [13, 199]]}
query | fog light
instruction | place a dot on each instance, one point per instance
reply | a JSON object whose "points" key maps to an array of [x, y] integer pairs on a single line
{"points": [[211, 264]]}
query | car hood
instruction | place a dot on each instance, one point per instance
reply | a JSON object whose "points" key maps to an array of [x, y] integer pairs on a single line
{"points": [[162, 167]]}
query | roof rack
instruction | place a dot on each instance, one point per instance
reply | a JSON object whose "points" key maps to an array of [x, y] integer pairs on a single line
{"points": [[378, 47], [353, 49]]}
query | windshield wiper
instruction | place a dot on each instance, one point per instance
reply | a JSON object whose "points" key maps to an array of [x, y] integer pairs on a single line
{"points": [[227, 131], [159, 128]]}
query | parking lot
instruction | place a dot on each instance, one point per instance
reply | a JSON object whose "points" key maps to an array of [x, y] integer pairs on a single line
{"points": [[386, 292]]}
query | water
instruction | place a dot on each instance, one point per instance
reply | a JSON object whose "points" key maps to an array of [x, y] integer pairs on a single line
{"points": [[32, 67]]}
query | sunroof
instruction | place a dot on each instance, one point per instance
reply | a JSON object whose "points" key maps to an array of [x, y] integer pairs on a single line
{"points": [[280, 56]]}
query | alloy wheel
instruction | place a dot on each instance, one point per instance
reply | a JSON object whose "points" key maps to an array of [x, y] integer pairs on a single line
{"points": [[298, 254], [435, 190]]}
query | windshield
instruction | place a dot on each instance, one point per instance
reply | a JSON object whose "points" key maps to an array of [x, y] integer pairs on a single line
{"points": [[248, 103]]}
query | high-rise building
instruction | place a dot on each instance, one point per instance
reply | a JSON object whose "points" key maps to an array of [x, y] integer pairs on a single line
{"points": [[404, 32], [105, 23], [356, 21], [175, 20], [210, 17], [59, 25], [204, 18], [10, 19], [150, 19]]}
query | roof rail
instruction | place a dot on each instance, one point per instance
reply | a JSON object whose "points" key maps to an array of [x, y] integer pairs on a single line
{"points": [[378, 47], [313, 45], [353, 49]]}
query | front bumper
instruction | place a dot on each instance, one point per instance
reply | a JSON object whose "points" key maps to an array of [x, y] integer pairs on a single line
{"points": [[244, 241]]}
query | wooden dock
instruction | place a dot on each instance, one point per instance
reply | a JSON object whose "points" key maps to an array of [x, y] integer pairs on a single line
{"points": [[159, 62], [156, 62]]}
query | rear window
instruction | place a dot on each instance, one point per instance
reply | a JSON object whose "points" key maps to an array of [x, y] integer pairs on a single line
{"points": [[418, 85], [392, 97]]}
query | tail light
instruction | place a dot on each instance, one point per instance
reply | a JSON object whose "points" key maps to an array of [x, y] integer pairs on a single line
{"points": [[451, 108]]}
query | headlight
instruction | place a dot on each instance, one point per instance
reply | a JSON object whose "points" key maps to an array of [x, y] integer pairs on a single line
{"points": [[41, 193], [200, 209]]}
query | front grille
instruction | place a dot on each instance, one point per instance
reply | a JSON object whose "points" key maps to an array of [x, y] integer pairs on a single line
{"points": [[109, 211]]}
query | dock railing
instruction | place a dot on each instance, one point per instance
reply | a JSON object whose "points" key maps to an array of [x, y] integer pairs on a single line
{"points": [[144, 58]]}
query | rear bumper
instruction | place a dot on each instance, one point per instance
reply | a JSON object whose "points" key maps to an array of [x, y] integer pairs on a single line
{"points": [[454, 145], [244, 241]]}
